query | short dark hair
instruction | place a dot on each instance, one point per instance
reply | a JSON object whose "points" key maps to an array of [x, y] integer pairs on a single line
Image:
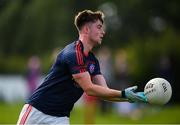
{"points": [[87, 16]]}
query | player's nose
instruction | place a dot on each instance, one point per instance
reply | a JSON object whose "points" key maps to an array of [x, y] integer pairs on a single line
{"points": [[103, 32]]}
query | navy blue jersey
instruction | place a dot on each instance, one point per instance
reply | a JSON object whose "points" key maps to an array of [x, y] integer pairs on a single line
{"points": [[58, 92]]}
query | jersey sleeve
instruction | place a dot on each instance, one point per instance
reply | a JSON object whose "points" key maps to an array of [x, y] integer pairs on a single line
{"points": [[75, 62]]}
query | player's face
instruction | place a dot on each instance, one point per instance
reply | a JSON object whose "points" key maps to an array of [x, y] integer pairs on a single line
{"points": [[96, 32]]}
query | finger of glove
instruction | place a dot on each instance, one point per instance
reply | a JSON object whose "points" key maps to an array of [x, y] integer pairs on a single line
{"points": [[139, 98], [131, 96], [133, 88], [136, 97], [142, 95]]}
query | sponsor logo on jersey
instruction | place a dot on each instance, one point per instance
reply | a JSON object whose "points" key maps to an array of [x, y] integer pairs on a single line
{"points": [[91, 68]]}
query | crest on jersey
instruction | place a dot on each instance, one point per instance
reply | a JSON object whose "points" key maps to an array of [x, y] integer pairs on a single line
{"points": [[91, 68]]}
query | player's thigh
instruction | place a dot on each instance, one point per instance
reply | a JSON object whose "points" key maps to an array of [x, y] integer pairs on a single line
{"points": [[30, 115]]}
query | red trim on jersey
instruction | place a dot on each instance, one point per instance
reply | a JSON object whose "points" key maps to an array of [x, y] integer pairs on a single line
{"points": [[24, 118], [79, 56]]}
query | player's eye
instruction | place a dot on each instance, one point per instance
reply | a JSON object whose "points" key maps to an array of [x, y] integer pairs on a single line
{"points": [[99, 26]]}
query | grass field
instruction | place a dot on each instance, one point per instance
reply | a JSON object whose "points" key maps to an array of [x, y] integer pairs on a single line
{"points": [[164, 115]]}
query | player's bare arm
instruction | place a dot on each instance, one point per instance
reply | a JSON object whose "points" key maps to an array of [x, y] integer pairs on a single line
{"points": [[84, 80], [100, 80]]}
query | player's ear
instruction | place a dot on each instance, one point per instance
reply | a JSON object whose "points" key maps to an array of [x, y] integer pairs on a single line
{"points": [[86, 29]]}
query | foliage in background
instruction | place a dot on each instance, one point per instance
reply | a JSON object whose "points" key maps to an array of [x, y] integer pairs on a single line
{"points": [[37, 27], [145, 54]]}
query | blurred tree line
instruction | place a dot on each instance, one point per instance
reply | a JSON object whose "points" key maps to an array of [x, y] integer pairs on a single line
{"points": [[146, 29]]}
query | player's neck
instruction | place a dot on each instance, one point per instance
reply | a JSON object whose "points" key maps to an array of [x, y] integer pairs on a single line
{"points": [[86, 44]]}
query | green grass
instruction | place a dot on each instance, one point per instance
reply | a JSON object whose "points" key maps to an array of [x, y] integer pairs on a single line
{"points": [[164, 115], [9, 113], [147, 115]]}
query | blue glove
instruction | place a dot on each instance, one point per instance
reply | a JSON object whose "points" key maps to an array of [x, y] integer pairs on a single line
{"points": [[142, 96], [133, 96]]}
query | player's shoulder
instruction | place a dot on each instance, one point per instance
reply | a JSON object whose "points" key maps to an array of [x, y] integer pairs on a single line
{"points": [[69, 49], [72, 50]]}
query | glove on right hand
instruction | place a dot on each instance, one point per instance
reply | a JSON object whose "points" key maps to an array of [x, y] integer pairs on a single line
{"points": [[133, 96]]}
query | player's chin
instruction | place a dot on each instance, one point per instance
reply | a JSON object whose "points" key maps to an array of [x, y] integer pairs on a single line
{"points": [[99, 42]]}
